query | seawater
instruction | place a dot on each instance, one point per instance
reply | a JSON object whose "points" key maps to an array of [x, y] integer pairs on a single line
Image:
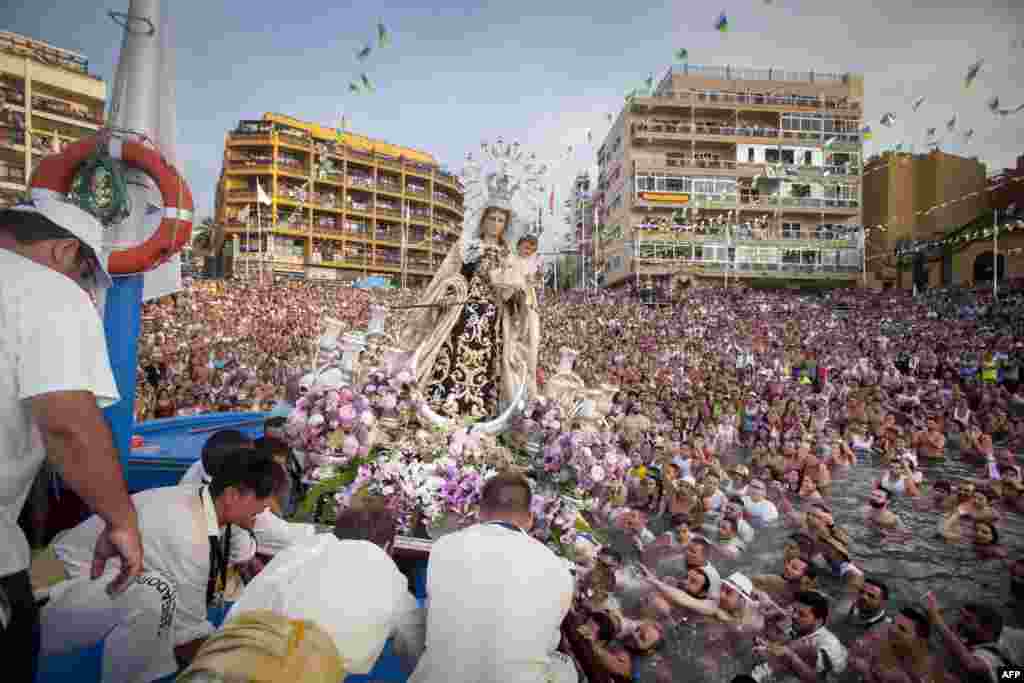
{"points": [[701, 650]]}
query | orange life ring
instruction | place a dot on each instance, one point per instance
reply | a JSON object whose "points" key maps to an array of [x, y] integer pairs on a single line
{"points": [[56, 173]]}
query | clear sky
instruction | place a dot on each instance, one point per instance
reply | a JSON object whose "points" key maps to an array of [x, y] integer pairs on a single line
{"points": [[545, 72]]}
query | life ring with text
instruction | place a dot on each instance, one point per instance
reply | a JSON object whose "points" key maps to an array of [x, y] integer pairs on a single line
{"points": [[57, 172]]}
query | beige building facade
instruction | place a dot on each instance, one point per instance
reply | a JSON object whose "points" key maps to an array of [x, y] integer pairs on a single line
{"points": [[48, 98], [911, 199], [735, 173]]}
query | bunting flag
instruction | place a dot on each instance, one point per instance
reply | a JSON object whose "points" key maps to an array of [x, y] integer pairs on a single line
{"points": [[722, 24], [866, 132], [261, 196], [551, 202]]}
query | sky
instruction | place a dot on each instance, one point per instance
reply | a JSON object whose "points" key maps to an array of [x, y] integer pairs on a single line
{"points": [[543, 72]]}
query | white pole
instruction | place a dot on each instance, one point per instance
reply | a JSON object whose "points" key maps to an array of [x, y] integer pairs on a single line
{"points": [[995, 255], [864, 254], [259, 236]]}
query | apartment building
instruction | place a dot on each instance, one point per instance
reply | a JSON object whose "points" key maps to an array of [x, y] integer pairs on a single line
{"points": [[48, 99], [342, 206], [725, 172]]}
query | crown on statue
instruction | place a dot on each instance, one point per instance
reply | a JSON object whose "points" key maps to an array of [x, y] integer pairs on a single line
{"points": [[500, 190], [505, 176]]}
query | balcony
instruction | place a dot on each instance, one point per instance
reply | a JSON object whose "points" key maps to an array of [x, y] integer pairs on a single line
{"points": [[394, 236], [425, 170], [336, 178], [718, 167], [448, 179], [445, 200], [357, 207], [68, 110], [762, 236], [417, 191], [840, 141], [325, 201], [241, 195], [11, 174], [254, 139], [386, 210], [359, 181], [390, 188], [389, 162], [294, 140], [421, 218]]}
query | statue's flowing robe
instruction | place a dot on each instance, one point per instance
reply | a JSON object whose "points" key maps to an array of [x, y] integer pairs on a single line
{"points": [[429, 328]]}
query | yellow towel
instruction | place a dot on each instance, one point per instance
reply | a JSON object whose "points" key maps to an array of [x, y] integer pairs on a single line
{"points": [[263, 647]]}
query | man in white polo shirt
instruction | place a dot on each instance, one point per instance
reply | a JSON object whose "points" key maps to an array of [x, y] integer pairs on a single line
{"points": [[496, 598], [54, 378], [187, 534]]}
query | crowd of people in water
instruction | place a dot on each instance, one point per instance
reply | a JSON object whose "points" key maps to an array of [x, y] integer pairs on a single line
{"points": [[784, 445]]}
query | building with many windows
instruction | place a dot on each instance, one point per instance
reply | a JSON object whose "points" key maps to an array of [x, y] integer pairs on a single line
{"points": [[581, 218], [725, 172], [48, 99], [340, 206]]}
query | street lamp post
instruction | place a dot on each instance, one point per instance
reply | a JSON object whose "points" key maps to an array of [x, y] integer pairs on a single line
{"points": [[995, 255]]}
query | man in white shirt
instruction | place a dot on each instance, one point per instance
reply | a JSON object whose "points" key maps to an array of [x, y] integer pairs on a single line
{"points": [[54, 378], [359, 614], [496, 598], [271, 533], [163, 614]]}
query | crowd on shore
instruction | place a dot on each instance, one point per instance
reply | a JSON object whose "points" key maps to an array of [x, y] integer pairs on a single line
{"points": [[742, 411]]}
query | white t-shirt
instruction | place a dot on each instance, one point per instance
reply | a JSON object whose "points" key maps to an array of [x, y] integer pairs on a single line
{"points": [[176, 526], [360, 613], [497, 598], [51, 339]]}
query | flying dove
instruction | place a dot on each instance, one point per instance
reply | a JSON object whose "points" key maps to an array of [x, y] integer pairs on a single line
{"points": [[590, 136], [968, 134], [354, 87], [682, 54], [364, 53], [951, 124], [1007, 112], [930, 132], [888, 119], [366, 82], [972, 72], [917, 103], [383, 38], [609, 116], [993, 105]]}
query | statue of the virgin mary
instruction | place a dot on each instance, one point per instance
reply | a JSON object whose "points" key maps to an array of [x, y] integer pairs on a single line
{"points": [[471, 342]]}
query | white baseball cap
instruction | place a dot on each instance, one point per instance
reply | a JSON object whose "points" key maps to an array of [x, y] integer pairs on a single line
{"points": [[75, 220]]}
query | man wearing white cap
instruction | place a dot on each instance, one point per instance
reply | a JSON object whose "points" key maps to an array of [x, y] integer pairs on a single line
{"points": [[55, 377]]}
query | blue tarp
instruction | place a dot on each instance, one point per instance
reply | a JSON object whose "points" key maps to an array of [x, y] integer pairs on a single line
{"points": [[372, 282]]}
